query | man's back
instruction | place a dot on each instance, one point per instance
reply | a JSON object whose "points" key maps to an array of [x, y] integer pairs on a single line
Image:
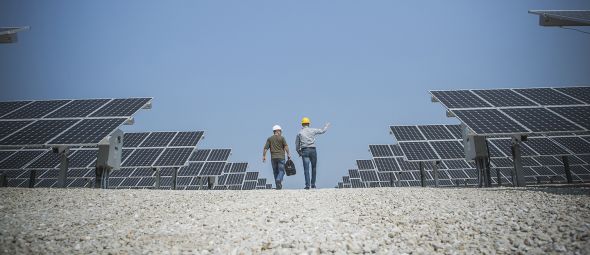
{"points": [[306, 137], [276, 144]]}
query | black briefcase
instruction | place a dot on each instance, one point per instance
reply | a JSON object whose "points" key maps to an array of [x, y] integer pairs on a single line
{"points": [[290, 168]]}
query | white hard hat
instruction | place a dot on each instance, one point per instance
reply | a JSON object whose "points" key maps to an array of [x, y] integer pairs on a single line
{"points": [[276, 127]]}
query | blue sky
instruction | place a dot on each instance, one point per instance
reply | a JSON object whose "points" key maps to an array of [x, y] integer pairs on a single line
{"points": [[236, 68]]}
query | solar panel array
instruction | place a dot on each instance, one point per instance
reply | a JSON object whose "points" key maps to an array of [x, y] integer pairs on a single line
{"points": [[429, 142], [81, 124], [575, 17], [519, 111], [64, 122]]}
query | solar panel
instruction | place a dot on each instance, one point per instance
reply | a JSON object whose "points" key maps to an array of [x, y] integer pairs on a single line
{"points": [[174, 157], [186, 138], [436, 132], [193, 169], [489, 122], [132, 140], [540, 120], [251, 176], [544, 146], [406, 176], [407, 133], [261, 182], [268, 186], [143, 172], [386, 177], [563, 17], [547, 96], [518, 111], [456, 130], [502, 162], [576, 145], [47, 160], [37, 133], [239, 167], [88, 131], [235, 179], [580, 93], [9, 127], [200, 155], [143, 157], [249, 185], [219, 155], [123, 172], [503, 98], [505, 145], [121, 107], [397, 151], [457, 174], [158, 139], [459, 99], [80, 173], [213, 169], [20, 159], [449, 149], [36, 109], [7, 107], [578, 114], [418, 151], [548, 161], [78, 108], [368, 176], [387, 164], [345, 179], [221, 179], [382, 150], [407, 165], [356, 183], [365, 164], [354, 173], [456, 164]]}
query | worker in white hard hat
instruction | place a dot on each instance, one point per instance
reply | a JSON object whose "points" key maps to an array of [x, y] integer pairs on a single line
{"points": [[305, 145], [278, 147]]}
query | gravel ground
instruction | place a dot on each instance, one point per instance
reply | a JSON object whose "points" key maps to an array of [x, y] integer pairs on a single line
{"points": [[382, 220]]}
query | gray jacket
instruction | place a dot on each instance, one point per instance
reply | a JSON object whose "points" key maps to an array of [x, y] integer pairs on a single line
{"points": [[306, 137]]}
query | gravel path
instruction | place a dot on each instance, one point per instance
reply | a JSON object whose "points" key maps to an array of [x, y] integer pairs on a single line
{"points": [[383, 220]]}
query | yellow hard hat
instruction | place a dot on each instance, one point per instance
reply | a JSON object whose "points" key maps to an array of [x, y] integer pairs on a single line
{"points": [[305, 120]]}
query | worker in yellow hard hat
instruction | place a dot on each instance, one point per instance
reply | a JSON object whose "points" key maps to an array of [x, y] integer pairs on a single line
{"points": [[306, 149]]}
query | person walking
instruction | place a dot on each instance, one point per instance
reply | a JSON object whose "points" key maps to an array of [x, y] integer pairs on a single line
{"points": [[305, 145], [278, 147]]}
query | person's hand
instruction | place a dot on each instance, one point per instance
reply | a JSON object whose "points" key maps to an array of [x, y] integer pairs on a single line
{"points": [[263, 159], [289, 157]]}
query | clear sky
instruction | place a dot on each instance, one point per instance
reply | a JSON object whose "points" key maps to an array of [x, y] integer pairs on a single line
{"points": [[236, 68]]}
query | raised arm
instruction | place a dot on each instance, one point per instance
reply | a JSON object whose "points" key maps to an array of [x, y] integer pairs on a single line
{"points": [[323, 130]]}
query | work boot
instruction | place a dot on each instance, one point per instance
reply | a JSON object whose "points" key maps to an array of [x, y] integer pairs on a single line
{"points": [[313, 186], [306, 187], [279, 185]]}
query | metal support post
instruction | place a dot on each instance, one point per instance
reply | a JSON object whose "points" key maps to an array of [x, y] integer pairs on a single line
{"points": [[3, 180], [516, 156], [63, 166], [422, 177], [566, 167], [435, 172], [158, 177], [174, 174], [32, 178], [210, 182]]}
